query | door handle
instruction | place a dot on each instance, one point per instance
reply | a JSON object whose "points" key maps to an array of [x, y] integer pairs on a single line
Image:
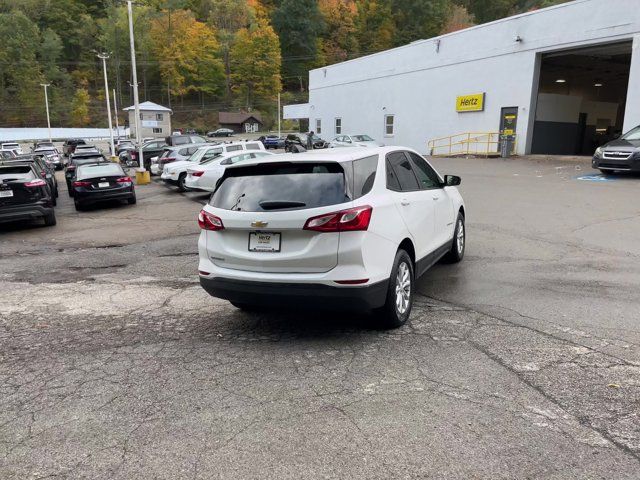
{"points": [[404, 202], [435, 199]]}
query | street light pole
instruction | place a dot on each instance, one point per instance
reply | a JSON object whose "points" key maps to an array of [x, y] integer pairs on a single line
{"points": [[279, 125], [103, 57], [46, 102], [115, 111], [136, 100]]}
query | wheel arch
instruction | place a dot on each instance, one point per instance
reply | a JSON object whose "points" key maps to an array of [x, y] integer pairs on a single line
{"points": [[407, 246]]}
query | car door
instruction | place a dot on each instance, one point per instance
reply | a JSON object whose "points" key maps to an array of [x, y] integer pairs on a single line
{"points": [[431, 183], [414, 204]]}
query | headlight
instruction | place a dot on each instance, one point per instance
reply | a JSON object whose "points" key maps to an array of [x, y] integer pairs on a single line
{"points": [[599, 152]]}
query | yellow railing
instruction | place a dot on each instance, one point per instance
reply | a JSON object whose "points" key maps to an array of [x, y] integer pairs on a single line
{"points": [[486, 144]]}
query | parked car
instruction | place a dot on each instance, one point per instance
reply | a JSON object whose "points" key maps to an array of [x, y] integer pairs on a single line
{"points": [[176, 154], [4, 154], [619, 155], [221, 132], [51, 156], [294, 141], [354, 141], [100, 182], [150, 149], [42, 144], [15, 147], [347, 228], [75, 161], [43, 169], [272, 141], [123, 145], [86, 148], [205, 176], [24, 195], [175, 140], [70, 145]]}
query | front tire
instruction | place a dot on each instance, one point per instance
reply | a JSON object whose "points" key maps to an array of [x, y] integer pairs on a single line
{"points": [[459, 242], [397, 307]]}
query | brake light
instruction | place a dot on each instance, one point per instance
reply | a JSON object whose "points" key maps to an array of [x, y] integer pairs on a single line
{"points": [[352, 219], [81, 184], [197, 173], [166, 160], [208, 221], [133, 155], [124, 180], [71, 167], [35, 183], [43, 174]]}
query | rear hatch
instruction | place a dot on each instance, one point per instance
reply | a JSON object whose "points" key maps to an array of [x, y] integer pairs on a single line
{"points": [[19, 186], [102, 178], [264, 208]]}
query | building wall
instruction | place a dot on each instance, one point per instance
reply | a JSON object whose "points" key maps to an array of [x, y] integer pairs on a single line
{"points": [[419, 82], [150, 122]]}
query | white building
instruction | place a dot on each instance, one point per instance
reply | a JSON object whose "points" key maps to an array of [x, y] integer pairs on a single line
{"points": [[155, 120], [564, 79]]}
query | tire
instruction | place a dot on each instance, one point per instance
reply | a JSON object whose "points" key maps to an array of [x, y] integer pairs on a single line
{"points": [[397, 308], [459, 242], [78, 205], [181, 179], [54, 195], [132, 200], [607, 172], [50, 220]]}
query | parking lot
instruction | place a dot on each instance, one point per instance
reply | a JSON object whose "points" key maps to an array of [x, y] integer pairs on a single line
{"points": [[522, 361]]}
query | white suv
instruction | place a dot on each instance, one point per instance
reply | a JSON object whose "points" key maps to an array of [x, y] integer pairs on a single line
{"points": [[350, 228]]}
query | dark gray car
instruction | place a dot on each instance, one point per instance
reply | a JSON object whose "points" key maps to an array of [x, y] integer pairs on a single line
{"points": [[621, 154]]}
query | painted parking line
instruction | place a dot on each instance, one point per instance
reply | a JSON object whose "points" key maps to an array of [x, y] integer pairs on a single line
{"points": [[596, 178]]}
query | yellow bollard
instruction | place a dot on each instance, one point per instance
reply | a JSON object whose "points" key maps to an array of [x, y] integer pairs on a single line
{"points": [[142, 177]]}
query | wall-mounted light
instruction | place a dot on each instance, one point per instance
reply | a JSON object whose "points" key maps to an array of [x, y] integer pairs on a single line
{"points": [[561, 80], [597, 84], [518, 39]]}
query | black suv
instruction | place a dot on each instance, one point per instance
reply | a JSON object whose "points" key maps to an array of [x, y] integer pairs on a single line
{"points": [[24, 195], [294, 141], [622, 154], [69, 146]]}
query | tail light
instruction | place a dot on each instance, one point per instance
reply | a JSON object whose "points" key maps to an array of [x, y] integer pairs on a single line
{"points": [[81, 184], [133, 155], [71, 167], [124, 180], [166, 160], [208, 221], [352, 219], [43, 174], [35, 183], [197, 173]]}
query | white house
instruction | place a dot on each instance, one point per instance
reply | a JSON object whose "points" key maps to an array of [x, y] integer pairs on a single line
{"points": [[155, 120], [559, 78]]}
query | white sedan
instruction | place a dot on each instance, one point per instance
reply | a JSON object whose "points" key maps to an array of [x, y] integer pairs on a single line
{"points": [[354, 141], [205, 175]]}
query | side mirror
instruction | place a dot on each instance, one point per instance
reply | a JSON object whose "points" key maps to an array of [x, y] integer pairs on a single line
{"points": [[452, 180]]}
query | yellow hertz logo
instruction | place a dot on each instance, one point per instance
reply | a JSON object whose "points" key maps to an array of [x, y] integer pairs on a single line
{"points": [[470, 103], [259, 224]]}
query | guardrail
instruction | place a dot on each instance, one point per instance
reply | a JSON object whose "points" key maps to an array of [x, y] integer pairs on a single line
{"points": [[484, 144]]}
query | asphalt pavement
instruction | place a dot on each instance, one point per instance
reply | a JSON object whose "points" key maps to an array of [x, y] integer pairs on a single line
{"points": [[523, 361]]}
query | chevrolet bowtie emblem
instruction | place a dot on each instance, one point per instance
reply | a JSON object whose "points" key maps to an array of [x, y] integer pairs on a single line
{"points": [[259, 224]]}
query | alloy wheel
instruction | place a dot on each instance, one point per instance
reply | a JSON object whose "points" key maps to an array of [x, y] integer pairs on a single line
{"points": [[403, 288]]}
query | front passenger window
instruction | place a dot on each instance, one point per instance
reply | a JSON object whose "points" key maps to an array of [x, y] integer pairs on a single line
{"points": [[404, 172], [427, 176]]}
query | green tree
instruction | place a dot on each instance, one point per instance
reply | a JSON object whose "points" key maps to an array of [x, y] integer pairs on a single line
{"points": [[80, 108], [255, 63], [375, 28], [418, 19], [299, 25]]}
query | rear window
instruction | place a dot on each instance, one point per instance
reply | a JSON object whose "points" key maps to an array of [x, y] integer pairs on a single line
{"points": [[253, 146], [364, 174], [181, 140], [106, 170], [16, 172], [233, 148], [281, 186]]}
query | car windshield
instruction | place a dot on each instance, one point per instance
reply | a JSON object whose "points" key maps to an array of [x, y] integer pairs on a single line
{"points": [[46, 151], [633, 134], [361, 138], [281, 186], [106, 170], [197, 155]]}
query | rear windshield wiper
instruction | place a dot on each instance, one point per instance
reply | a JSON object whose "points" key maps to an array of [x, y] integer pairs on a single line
{"points": [[277, 204]]}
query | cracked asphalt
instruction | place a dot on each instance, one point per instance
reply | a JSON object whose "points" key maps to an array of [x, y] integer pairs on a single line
{"points": [[521, 362]]}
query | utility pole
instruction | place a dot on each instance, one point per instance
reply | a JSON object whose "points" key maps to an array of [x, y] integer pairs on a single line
{"points": [[46, 102], [279, 126], [115, 111], [103, 57], [136, 99]]}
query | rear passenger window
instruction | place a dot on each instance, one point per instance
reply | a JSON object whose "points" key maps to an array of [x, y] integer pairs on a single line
{"points": [[233, 148], [427, 176], [392, 178], [364, 174], [403, 171], [184, 152]]}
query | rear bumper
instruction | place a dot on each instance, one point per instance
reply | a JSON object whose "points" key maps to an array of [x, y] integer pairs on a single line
{"points": [[307, 295], [87, 198], [23, 212]]}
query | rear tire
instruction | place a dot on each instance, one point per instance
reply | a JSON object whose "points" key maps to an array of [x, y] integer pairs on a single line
{"points": [[181, 179], [132, 200], [459, 242], [50, 220], [397, 307]]}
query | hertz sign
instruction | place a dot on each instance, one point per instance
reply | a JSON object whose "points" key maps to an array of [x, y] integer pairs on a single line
{"points": [[470, 103]]}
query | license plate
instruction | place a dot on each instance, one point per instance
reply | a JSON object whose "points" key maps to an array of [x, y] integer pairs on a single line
{"points": [[6, 193], [103, 184], [264, 242]]}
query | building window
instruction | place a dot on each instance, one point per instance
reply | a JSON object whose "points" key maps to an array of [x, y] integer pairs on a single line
{"points": [[159, 117], [388, 125], [338, 126], [157, 130], [318, 126]]}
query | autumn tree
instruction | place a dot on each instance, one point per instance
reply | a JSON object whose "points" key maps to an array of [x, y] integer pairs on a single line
{"points": [[339, 42], [459, 19], [80, 107], [255, 63], [375, 29]]}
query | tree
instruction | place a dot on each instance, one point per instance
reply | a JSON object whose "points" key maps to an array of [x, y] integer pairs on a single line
{"points": [[299, 25], [489, 10], [255, 63], [375, 29], [80, 108], [418, 19], [459, 19], [339, 42]]}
